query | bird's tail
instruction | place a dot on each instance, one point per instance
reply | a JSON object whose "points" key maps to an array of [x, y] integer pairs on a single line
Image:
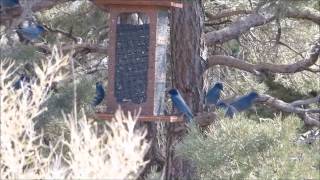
{"points": [[231, 111], [22, 39], [189, 117], [97, 99]]}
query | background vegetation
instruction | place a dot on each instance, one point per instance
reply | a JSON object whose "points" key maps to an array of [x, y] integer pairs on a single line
{"points": [[243, 148]]}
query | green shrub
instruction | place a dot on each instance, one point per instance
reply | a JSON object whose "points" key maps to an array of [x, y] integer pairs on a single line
{"points": [[246, 149]]}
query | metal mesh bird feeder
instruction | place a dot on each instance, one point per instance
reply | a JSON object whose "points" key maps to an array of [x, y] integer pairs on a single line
{"points": [[137, 50]]}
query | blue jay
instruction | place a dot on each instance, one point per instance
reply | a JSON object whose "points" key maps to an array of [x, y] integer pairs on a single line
{"points": [[241, 104], [24, 83], [29, 31], [8, 3], [100, 93], [21, 81], [214, 93], [180, 104]]}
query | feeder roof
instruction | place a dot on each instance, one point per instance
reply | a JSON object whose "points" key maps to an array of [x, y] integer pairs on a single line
{"points": [[161, 3]]}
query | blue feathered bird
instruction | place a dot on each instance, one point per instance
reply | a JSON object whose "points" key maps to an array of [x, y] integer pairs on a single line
{"points": [[30, 31], [214, 93], [21, 81], [100, 93], [179, 103], [8, 3], [241, 104]]}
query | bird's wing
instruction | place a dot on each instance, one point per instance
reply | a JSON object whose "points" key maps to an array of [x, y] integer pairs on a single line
{"points": [[9, 3], [181, 105], [212, 91], [213, 95], [30, 33], [100, 91], [242, 104]]}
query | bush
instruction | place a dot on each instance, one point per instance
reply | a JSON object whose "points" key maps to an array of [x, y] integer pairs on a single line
{"points": [[117, 153], [246, 149]]}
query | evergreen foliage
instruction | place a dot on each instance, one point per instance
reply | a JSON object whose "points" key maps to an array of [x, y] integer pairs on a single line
{"points": [[243, 148]]}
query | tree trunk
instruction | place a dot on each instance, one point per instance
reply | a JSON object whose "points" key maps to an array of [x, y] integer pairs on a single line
{"points": [[187, 47], [187, 51]]}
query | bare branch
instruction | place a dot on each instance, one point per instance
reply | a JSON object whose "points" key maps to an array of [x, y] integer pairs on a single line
{"points": [[214, 23], [279, 31], [283, 106], [17, 11], [253, 20], [289, 47], [66, 34], [309, 116], [92, 48], [313, 70], [306, 14], [299, 66], [227, 13], [306, 101], [236, 29]]}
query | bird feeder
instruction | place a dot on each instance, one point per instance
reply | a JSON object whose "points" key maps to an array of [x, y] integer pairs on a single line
{"points": [[137, 49]]}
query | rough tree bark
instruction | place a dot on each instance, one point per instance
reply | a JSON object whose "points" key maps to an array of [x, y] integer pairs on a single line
{"points": [[187, 45]]}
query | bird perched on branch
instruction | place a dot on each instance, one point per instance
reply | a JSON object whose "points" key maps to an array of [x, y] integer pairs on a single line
{"points": [[30, 31], [8, 3], [100, 93], [24, 83], [214, 93], [24, 79], [241, 104], [179, 103]]}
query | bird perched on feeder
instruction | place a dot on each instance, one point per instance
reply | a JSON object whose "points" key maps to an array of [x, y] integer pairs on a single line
{"points": [[241, 104], [24, 79], [8, 3], [100, 93], [29, 31], [214, 93], [180, 104]]}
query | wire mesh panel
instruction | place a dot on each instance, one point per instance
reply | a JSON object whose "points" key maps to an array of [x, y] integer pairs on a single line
{"points": [[131, 69]]}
